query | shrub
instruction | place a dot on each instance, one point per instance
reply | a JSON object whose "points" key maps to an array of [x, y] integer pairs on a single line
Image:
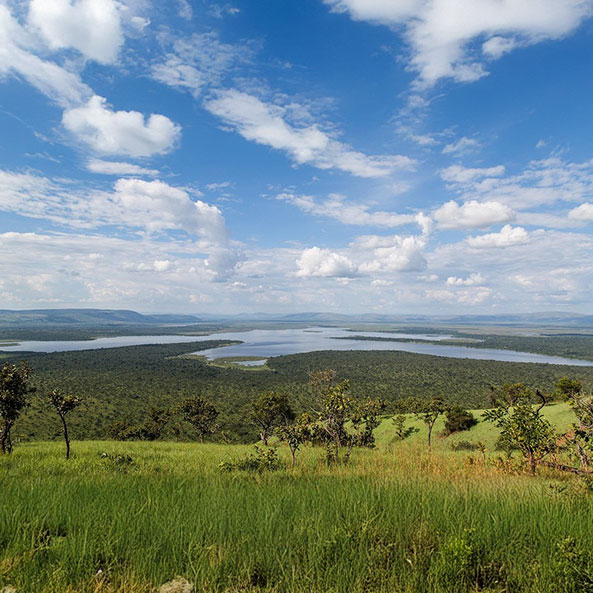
{"points": [[458, 420], [259, 461]]}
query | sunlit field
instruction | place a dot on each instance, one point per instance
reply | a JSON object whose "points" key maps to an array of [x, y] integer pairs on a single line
{"points": [[396, 519]]}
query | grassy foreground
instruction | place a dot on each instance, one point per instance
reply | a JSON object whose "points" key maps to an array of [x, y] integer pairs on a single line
{"points": [[396, 520]]}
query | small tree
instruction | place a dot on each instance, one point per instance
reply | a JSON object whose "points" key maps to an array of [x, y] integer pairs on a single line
{"points": [[345, 422], [568, 389], [155, 424], [401, 430], [201, 414], [581, 438], [523, 427], [14, 389], [364, 418], [269, 411], [296, 434], [63, 405], [429, 410]]}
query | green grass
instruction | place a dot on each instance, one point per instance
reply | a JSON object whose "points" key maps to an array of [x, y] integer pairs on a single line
{"points": [[559, 414], [396, 520]]}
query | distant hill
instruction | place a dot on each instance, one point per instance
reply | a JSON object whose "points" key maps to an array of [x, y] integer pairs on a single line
{"points": [[116, 317], [86, 317]]}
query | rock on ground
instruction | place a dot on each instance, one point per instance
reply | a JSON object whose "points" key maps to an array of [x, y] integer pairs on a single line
{"points": [[178, 585]]}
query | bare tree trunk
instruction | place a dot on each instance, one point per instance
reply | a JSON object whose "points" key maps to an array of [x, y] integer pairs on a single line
{"points": [[66, 437], [202, 437], [532, 464], [430, 436], [5, 442]]}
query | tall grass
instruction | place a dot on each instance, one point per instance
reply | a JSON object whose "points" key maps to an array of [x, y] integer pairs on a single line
{"points": [[396, 520]]}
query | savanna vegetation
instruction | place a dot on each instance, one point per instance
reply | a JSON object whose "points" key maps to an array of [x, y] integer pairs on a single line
{"points": [[372, 475], [138, 379]]}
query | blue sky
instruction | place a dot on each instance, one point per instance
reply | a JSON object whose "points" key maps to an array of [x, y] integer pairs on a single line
{"points": [[390, 156]]}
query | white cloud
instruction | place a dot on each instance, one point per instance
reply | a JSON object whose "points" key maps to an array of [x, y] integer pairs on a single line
{"points": [[471, 215], [17, 59], [92, 27], [507, 237], [150, 205], [118, 168], [459, 174], [390, 254], [440, 33], [199, 62], [584, 212], [323, 263], [474, 279], [543, 182], [265, 124], [497, 46], [338, 208], [159, 206], [462, 145], [120, 132]]}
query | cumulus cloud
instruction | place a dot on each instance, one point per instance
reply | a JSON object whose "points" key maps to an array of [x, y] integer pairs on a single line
{"points": [[507, 237], [118, 168], [120, 132], [440, 33], [93, 27], [471, 215], [584, 212], [323, 263], [390, 254], [150, 205], [266, 124], [17, 59], [160, 206], [474, 279]]}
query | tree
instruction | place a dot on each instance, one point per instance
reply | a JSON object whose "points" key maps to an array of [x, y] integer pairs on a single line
{"points": [[581, 438], [14, 389], [458, 420], [63, 405], [344, 422], [523, 427], [401, 430], [568, 389], [269, 411], [297, 434], [153, 427], [428, 410], [201, 414], [364, 418]]}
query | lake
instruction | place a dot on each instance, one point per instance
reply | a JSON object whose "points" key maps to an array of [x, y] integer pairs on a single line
{"points": [[261, 344]]}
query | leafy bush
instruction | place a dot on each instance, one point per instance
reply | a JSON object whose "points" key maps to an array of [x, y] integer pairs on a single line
{"points": [[119, 462], [458, 420], [259, 461]]}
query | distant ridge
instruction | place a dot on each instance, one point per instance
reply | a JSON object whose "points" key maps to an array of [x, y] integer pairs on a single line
{"points": [[117, 317], [104, 317]]}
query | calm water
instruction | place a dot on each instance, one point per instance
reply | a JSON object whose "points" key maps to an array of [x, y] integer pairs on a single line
{"points": [[263, 344]]}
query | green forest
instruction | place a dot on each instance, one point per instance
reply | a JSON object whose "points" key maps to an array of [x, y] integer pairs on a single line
{"points": [[125, 383]]}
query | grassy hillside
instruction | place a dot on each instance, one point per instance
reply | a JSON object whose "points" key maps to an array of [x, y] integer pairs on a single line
{"points": [[396, 520]]}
